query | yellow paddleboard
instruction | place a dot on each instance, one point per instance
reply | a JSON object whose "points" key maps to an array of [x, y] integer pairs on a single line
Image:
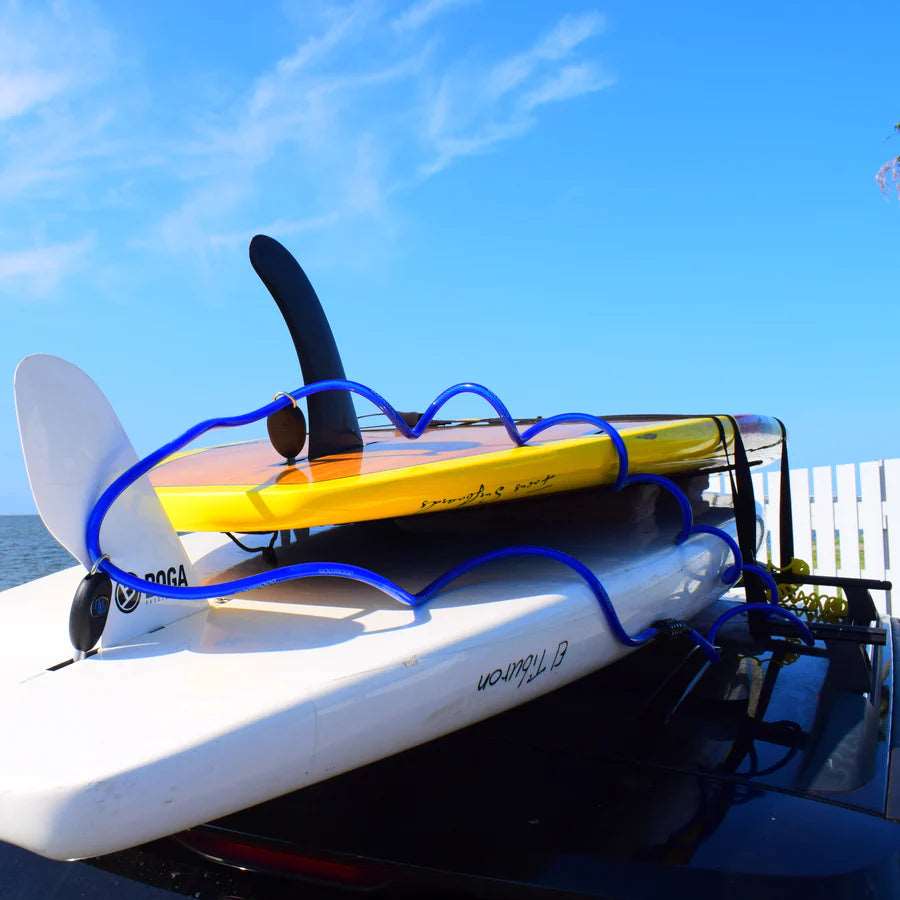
{"points": [[249, 487]]}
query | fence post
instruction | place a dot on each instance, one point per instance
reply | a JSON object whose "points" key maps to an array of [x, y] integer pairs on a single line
{"points": [[892, 519]]}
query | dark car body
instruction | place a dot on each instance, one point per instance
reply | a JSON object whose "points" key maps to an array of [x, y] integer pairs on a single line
{"points": [[770, 774]]}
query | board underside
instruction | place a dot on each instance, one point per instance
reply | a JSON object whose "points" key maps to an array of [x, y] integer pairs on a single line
{"points": [[248, 487]]}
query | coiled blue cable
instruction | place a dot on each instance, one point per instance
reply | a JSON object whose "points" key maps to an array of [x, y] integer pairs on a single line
{"points": [[373, 579]]}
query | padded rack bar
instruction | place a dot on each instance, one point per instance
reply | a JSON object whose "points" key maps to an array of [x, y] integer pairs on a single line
{"points": [[835, 631], [860, 608]]}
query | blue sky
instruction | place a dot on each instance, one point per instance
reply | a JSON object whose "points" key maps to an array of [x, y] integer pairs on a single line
{"points": [[614, 207]]}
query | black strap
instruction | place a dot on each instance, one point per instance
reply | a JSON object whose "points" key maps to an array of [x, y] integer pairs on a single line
{"points": [[745, 512], [744, 499], [785, 514], [723, 440]]}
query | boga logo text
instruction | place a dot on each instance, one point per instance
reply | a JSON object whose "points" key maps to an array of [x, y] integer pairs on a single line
{"points": [[128, 600]]}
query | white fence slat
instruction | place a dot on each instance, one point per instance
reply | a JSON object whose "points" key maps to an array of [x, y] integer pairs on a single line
{"points": [[801, 514], [871, 521], [845, 514], [773, 510], [823, 520], [892, 513]]}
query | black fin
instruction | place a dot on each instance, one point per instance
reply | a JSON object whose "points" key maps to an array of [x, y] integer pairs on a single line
{"points": [[333, 426]]}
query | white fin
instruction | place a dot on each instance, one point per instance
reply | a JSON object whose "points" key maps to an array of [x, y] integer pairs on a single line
{"points": [[74, 447]]}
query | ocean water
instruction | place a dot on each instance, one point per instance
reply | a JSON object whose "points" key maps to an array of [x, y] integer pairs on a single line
{"points": [[28, 551]]}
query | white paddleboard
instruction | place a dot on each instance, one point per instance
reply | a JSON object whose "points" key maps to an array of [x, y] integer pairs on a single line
{"points": [[258, 696], [192, 711]]}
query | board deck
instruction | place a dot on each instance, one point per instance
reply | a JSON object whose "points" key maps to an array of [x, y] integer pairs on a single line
{"points": [[249, 487]]}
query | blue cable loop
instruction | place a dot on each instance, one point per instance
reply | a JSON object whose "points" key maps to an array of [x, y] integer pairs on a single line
{"points": [[684, 505], [621, 451], [592, 581], [766, 576], [386, 585], [732, 573], [767, 609]]}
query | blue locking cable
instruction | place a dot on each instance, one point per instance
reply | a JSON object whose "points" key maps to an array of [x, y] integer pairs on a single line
{"points": [[379, 582]]}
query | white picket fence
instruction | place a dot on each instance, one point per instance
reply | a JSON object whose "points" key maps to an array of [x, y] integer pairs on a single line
{"points": [[857, 504]]}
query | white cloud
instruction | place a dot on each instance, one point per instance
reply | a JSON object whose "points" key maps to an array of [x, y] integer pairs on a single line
{"points": [[445, 111], [20, 91], [61, 144], [421, 13], [43, 154], [345, 23], [319, 108], [568, 33], [38, 270], [367, 104], [557, 44], [471, 112], [52, 119], [47, 51], [238, 240], [569, 82], [451, 148]]}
